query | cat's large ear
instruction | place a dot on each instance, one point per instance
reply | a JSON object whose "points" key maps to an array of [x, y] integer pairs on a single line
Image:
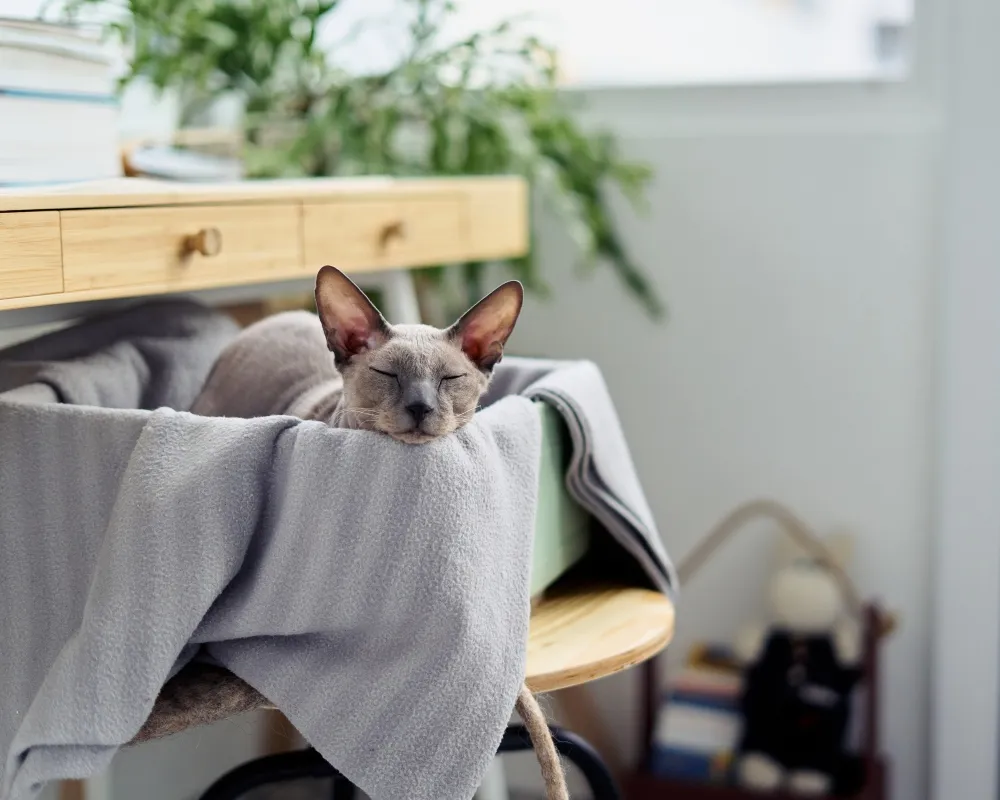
{"points": [[350, 320], [483, 330]]}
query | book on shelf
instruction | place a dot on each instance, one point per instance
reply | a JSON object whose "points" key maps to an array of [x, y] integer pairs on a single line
{"points": [[698, 723]]}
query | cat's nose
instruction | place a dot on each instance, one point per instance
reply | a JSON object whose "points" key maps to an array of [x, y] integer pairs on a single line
{"points": [[419, 410]]}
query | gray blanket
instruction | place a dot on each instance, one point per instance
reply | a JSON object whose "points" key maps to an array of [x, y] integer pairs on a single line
{"points": [[377, 593]]}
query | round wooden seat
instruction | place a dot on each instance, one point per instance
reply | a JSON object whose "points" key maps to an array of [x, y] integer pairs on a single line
{"points": [[583, 633]]}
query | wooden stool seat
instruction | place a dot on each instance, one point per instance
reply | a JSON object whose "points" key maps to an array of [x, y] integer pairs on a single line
{"points": [[584, 633]]}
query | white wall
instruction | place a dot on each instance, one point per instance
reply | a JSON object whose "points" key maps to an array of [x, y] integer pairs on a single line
{"points": [[796, 362], [966, 668]]}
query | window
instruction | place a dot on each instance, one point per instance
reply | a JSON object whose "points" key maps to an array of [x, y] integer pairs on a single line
{"points": [[630, 42], [717, 41]]}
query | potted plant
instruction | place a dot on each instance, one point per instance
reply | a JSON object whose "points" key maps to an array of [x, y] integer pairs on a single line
{"points": [[487, 103]]}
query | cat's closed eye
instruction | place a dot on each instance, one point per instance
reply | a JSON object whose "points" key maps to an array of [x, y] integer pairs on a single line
{"points": [[447, 378], [392, 375]]}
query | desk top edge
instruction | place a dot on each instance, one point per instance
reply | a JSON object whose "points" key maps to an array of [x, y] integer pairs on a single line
{"points": [[136, 192]]}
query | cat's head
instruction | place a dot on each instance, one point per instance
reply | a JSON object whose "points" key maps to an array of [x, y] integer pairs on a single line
{"points": [[413, 382]]}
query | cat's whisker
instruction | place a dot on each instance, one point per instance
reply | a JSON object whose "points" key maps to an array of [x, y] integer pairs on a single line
{"points": [[363, 418], [362, 413]]}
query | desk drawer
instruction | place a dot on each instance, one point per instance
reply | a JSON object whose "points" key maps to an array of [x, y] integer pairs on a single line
{"points": [[376, 235], [180, 248], [30, 256]]}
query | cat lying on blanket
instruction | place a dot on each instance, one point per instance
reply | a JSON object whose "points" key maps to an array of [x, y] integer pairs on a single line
{"points": [[412, 382]]}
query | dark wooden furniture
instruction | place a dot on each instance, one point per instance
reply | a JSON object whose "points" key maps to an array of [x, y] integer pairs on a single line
{"points": [[643, 785]]}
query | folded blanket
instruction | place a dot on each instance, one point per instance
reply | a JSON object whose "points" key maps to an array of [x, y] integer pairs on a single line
{"points": [[601, 476], [150, 355], [377, 593]]}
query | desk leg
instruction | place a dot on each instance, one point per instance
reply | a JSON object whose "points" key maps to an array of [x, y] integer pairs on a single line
{"points": [[91, 789], [96, 788], [72, 790], [399, 293]]}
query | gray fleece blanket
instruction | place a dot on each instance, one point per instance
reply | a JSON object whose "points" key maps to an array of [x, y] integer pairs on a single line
{"points": [[377, 593]]}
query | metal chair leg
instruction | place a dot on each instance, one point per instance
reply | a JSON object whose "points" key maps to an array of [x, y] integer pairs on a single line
{"points": [[278, 768], [575, 750], [343, 789], [310, 764]]}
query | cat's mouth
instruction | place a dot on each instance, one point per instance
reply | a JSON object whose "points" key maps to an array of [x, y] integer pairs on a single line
{"points": [[412, 436]]}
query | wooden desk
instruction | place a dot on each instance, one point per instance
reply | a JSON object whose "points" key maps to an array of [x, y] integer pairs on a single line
{"points": [[133, 237]]}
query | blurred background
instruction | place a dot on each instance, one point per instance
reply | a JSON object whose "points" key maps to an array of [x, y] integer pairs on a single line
{"points": [[766, 221]]}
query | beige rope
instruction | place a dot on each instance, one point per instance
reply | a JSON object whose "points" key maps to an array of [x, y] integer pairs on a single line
{"points": [[792, 525], [545, 749]]}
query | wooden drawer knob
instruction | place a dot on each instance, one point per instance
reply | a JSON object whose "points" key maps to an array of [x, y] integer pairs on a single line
{"points": [[207, 241], [393, 230]]}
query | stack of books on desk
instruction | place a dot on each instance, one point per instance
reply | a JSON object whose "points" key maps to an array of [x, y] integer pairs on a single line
{"points": [[698, 725], [58, 110]]}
